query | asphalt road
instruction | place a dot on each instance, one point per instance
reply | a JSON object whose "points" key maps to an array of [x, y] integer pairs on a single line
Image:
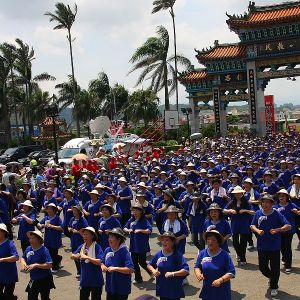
{"points": [[248, 284]]}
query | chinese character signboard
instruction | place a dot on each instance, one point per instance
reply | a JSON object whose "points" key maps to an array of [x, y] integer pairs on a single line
{"points": [[233, 77], [278, 47], [217, 111], [270, 114], [252, 96]]}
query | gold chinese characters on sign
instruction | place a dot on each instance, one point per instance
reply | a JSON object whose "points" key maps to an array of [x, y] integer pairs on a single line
{"points": [[275, 47]]}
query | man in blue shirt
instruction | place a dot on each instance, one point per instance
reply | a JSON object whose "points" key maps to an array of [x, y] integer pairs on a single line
{"points": [[268, 224]]}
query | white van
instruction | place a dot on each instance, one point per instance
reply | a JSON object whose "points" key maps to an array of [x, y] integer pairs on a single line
{"points": [[72, 147]]}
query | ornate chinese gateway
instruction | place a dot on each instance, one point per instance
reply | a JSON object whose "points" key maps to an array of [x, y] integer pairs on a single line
{"points": [[269, 48]]}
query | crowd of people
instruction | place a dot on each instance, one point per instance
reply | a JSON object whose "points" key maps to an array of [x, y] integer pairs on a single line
{"points": [[246, 189]]}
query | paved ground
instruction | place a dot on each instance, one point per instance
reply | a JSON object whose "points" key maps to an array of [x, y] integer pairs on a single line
{"points": [[248, 284]]}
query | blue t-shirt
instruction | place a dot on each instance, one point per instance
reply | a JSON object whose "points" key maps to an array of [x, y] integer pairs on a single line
{"points": [[91, 275], [76, 238], [116, 282], [107, 224], [222, 226], [268, 241], [171, 287], [139, 242], [93, 208], [24, 226], [52, 238], [214, 267], [39, 256], [8, 270], [66, 205], [125, 204]]}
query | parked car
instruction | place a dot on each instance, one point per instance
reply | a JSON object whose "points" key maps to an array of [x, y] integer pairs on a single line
{"points": [[14, 154], [46, 158]]}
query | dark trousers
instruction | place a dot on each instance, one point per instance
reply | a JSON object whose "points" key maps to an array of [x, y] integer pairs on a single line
{"points": [[95, 293], [116, 297], [77, 264], [198, 240], [250, 239], [24, 245], [269, 265], [33, 294], [7, 291], [67, 232], [124, 218], [56, 259], [239, 242], [139, 259], [286, 249]]}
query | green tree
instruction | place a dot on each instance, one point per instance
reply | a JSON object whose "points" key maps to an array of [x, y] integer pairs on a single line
{"points": [[160, 5], [152, 58], [65, 18], [143, 105]]}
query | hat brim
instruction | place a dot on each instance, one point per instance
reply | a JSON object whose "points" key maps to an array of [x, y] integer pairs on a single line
{"points": [[30, 233], [219, 237], [117, 234], [162, 236]]}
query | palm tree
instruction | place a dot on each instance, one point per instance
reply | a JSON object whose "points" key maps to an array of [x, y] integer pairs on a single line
{"points": [[160, 5], [152, 57], [65, 18], [142, 105]]}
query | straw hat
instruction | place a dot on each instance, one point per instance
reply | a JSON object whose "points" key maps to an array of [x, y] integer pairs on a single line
{"points": [[248, 180], [283, 191], [141, 184], [109, 207], [169, 193], [267, 197], [27, 203], [92, 230], [214, 206], [3, 227], [168, 234], [172, 209], [37, 233], [94, 192], [69, 191], [137, 206], [122, 179], [117, 231], [51, 205], [238, 190], [100, 186]]}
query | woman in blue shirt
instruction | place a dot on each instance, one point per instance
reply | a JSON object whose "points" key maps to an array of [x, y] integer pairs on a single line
{"points": [[240, 211], [106, 223], [215, 220], [170, 269], [8, 267], [118, 266], [37, 261], [215, 267], [53, 230], [26, 223], [177, 226], [91, 209], [76, 225], [290, 211], [90, 256], [139, 229]]}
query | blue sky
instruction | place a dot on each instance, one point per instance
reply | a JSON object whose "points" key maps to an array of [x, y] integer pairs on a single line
{"points": [[108, 31]]}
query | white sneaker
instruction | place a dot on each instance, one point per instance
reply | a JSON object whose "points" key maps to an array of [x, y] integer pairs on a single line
{"points": [[250, 247], [274, 292], [288, 270]]}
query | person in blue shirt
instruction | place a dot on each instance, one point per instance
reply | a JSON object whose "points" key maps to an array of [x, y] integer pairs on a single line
{"points": [[124, 194], [139, 229], [147, 206], [26, 223], [197, 214], [49, 198], [290, 211], [174, 224], [84, 189], [52, 224], [215, 268], [76, 225], [240, 211], [268, 186], [106, 223], [90, 256], [215, 220], [91, 209], [269, 224], [8, 267], [111, 199], [37, 261], [118, 266], [170, 268]]}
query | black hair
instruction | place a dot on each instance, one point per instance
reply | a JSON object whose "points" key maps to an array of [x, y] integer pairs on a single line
{"points": [[233, 203], [209, 234]]}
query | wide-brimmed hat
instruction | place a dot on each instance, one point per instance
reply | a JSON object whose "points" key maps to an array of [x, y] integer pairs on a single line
{"points": [[216, 233], [141, 184], [296, 175], [168, 234], [22, 192], [182, 174], [49, 190], [122, 179], [172, 209], [137, 205], [100, 186], [94, 192], [79, 208], [202, 171], [234, 175], [267, 173], [51, 205], [51, 182], [283, 191], [196, 195], [27, 203], [108, 206], [140, 194], [190, 164], [85, 177], [37, 233], [118, 232], [3, 227], [214, 206], [92, 230], [267, 197], [111, 195], [238, 190], [69, 191], [248, 180], [169, 193], [190, 183]]}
